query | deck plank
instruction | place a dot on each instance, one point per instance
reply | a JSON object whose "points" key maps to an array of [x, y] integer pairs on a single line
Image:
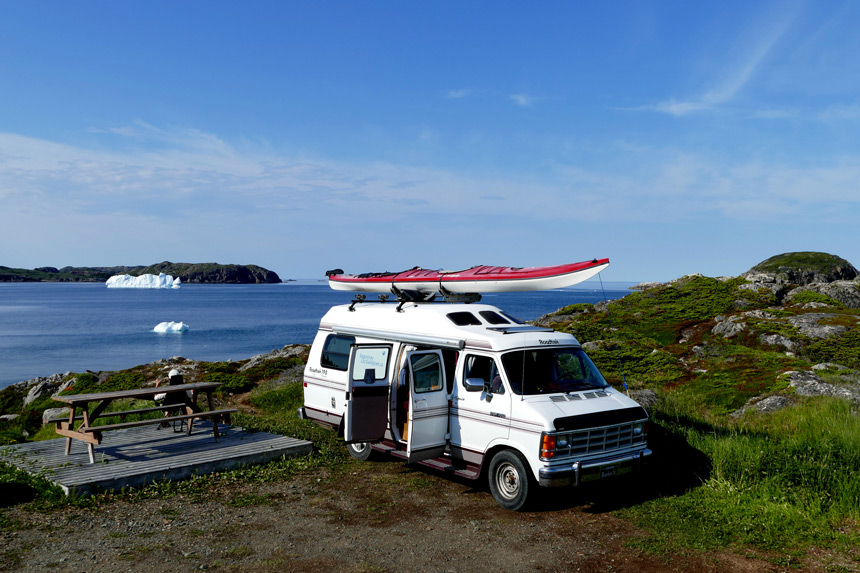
{"points": [[137, 456]]}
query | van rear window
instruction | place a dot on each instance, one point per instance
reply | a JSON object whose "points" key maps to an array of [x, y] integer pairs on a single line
{"points": [[464, 319], [335, 353]]}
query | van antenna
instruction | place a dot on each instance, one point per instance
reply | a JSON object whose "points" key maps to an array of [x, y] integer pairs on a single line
{"points": [[612, 330]]}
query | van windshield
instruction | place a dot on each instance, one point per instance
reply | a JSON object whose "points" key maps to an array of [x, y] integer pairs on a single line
{"points": [[551, 370]]}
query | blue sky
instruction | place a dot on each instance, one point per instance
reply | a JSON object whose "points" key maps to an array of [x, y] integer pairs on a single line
{"points": [[672, 137]]}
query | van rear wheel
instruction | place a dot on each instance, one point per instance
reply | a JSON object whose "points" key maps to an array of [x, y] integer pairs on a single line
{"points": [[360, 450], [510, 480]]}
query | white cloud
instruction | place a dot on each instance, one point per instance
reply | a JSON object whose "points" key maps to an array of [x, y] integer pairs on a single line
{"points": [[738, 74]]}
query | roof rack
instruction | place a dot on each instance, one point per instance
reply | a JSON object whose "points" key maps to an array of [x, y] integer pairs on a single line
{"points": [[404, 296]]}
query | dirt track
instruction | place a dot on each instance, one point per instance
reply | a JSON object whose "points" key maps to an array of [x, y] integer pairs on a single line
{"points": [[376, 517]]}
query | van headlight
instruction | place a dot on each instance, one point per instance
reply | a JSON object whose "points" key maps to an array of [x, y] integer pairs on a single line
{"points": [[638, 428]]}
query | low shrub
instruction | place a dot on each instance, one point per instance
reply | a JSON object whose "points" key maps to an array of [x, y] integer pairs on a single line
{"points": [[230, 383]]}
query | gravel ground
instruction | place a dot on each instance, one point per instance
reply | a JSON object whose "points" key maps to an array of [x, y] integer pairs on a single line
{"points": [[377, 516]]}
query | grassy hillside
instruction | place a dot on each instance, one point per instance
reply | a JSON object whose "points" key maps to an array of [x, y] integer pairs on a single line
{"points": [[775, 483]]}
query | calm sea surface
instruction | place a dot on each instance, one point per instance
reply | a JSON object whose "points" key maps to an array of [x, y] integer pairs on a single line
{"points": [[46, 328]]}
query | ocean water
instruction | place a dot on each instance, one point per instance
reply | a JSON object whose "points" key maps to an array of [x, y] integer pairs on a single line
{"points": [[46, 328]]}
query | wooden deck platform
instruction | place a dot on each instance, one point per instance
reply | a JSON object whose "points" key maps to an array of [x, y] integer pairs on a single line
{"points": [[137, 456]]}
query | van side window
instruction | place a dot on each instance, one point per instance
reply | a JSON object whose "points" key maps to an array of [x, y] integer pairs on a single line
{"points": [[427, 371], [464, 319], [485, 368], [493, 317], [335, 353]]}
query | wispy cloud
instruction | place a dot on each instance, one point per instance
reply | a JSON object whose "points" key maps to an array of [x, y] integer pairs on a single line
{"points": [[738, 74], [522, 100], [839, 113], [459, 94]]}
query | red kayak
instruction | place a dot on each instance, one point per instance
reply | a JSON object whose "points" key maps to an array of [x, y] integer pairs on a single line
{"points": [[474, 280]]}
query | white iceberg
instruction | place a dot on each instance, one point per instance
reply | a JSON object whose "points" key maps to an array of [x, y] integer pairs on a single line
{"points": [[143, 281], [171, 326]]}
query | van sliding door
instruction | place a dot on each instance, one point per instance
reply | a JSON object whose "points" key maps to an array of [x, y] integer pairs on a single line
{"points": [[428, 406], [366, 416]]}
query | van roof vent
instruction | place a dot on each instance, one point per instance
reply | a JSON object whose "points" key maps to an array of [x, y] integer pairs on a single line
{"points": [[558, 398]]}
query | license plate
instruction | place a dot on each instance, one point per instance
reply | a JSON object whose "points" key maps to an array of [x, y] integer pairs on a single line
{"points": [[608, 471]]}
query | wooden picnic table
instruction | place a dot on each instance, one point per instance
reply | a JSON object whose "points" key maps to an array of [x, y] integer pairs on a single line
{"points": [[87, 408]]}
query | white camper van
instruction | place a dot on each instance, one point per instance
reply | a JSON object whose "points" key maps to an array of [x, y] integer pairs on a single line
{"points": [[466, 388]]}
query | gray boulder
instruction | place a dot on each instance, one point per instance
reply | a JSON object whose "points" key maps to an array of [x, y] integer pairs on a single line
{"points": [[777, 340], [809, 324], [727, 327], [762, 405], [809, 384], [54, 413]]}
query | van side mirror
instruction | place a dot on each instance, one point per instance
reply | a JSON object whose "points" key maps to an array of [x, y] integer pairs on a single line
{"points": [[370, 376], [475, 384]]}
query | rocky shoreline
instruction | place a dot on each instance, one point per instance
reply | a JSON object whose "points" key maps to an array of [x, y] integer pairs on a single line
{"points": [[211, 273]]}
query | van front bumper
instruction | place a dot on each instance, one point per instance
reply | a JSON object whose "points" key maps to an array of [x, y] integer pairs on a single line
{"points": [[577, 473]]}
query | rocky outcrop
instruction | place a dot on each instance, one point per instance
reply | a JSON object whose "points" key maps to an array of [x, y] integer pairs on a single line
{"points": [[788, 275], [44, 386], [813, 324], [645, 286], [804, 268], [286, 352], [845, 292], [214, 273]]}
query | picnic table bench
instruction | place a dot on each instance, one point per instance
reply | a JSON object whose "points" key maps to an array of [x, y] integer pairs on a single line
{"points": [[182, 401]]}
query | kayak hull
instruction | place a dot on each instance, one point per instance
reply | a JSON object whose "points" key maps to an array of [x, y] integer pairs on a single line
{"points": [[481, 279]]}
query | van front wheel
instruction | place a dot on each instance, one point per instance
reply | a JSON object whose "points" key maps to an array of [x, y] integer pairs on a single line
{"points": [[509, 479], [360, 450]]}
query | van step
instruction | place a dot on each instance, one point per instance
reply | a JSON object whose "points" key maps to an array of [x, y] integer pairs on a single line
{"points": [[435, 463]]}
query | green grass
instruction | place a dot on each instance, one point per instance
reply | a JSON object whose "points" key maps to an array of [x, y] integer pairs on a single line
{"points": [[779, 484]]}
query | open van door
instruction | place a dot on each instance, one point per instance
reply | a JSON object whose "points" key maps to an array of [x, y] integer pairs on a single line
{"points": [[366, 416], [428, 405]]}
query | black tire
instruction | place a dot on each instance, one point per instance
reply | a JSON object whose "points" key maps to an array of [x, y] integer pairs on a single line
{"points": [[360, 450], [510, 480]]}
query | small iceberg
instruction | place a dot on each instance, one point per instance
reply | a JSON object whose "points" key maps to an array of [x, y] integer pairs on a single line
{"points": [[143, 281], [171, 326]]}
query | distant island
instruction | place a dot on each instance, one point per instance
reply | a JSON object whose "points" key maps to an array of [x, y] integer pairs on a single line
{"points": [[212, 273]]}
